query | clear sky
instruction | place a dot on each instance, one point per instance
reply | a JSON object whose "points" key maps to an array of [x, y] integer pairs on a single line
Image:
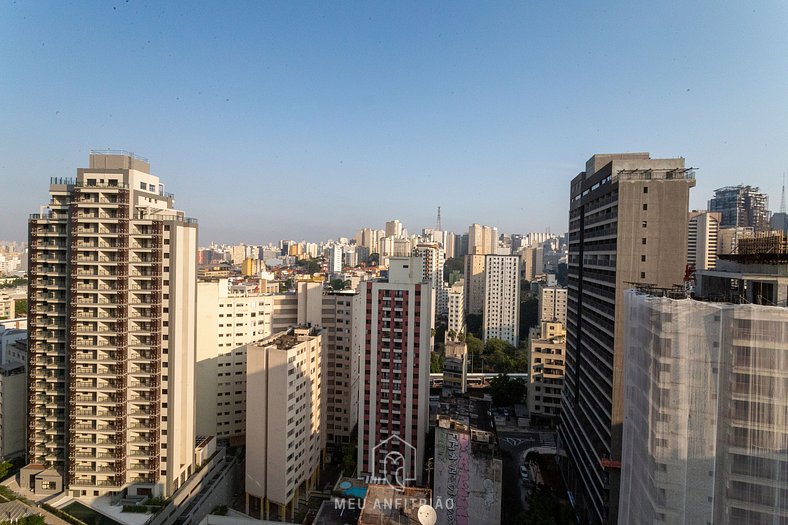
{"points": [[309, 120]]}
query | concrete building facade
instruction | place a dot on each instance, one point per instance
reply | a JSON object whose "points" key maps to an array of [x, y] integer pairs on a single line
{"points": [[13, 389], [112, 297], [455, 302], [228, 318], [546, 368], [468, 467], [627, 224], [285, 441], [474, 284], [552, 304]]}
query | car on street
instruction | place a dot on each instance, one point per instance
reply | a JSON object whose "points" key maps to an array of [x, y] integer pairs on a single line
{"points": [[524, 473]]}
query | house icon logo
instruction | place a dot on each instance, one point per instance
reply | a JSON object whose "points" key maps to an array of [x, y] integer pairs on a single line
{"points": [[395, 462]]}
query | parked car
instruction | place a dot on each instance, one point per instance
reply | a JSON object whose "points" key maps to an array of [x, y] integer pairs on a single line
{"points": [[524, 473]]}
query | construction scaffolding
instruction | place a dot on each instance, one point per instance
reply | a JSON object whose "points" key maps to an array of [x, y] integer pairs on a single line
{"points": [[705, 437]]}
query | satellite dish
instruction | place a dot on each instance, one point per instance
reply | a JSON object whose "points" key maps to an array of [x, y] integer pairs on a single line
{"points": [[427, 515]]}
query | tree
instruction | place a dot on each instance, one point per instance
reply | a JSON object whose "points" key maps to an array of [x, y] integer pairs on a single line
{"points": [[473, 324], [20, 307], [349, 455], [374, 259], [436, 363], [310, 265], [338, 284], [506, 391], [5, 468], [544, 508], [474, 344], [452, 334], [453, 264]]}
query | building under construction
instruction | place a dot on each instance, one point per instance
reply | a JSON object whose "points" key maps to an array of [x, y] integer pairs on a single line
{"points": [[705, 437]]}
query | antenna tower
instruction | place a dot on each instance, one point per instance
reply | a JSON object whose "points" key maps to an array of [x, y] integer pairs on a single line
{"points": [[439, 226], [782, 199]]}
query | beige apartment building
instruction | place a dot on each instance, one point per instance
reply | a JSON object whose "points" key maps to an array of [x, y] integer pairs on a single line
{"points": [[474, 284], [112, 298], [285, 441], [546, 368], [552, 304], [228, 318]]}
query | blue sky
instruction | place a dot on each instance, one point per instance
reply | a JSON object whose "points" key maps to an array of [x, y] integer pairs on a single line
{"points": [[310, 120]]}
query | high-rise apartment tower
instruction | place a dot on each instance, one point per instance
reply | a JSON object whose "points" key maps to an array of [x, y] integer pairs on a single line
{"points": [[112, 334], [627, 224]]}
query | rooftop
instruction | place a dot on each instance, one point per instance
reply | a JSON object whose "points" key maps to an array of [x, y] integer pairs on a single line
{"points": [[386, 505]]}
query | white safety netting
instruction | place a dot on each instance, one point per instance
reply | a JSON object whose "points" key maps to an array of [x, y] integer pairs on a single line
{"points": [[705, 437]]}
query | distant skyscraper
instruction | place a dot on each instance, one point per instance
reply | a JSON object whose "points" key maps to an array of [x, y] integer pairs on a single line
{"points": [[335, 259], [741, 206], [482, 240], [433, 259], [394, 398], [533, 261], [627, 224], [702, 235], [501, 318], [394, 228], [112, 334]]}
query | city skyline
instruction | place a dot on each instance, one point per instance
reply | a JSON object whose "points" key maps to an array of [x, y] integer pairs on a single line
{"points": [[463, 105]]}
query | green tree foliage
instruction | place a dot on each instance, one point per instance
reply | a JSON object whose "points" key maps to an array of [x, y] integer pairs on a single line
{"points": [[436, 363], [473, 324], [474, 344], [453, 264], [339, 284], [506, 391], [309, 265], [27, 520], [374, 259], [20, 307], [349, 454], [545, 509], [21, 281], [5, 469]]}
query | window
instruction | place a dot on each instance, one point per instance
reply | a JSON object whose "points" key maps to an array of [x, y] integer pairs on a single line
{"points": [[143, 187], [642, 275], [642, 258], [644, 224], [645, 207], [643, 240], [645, 189]]}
